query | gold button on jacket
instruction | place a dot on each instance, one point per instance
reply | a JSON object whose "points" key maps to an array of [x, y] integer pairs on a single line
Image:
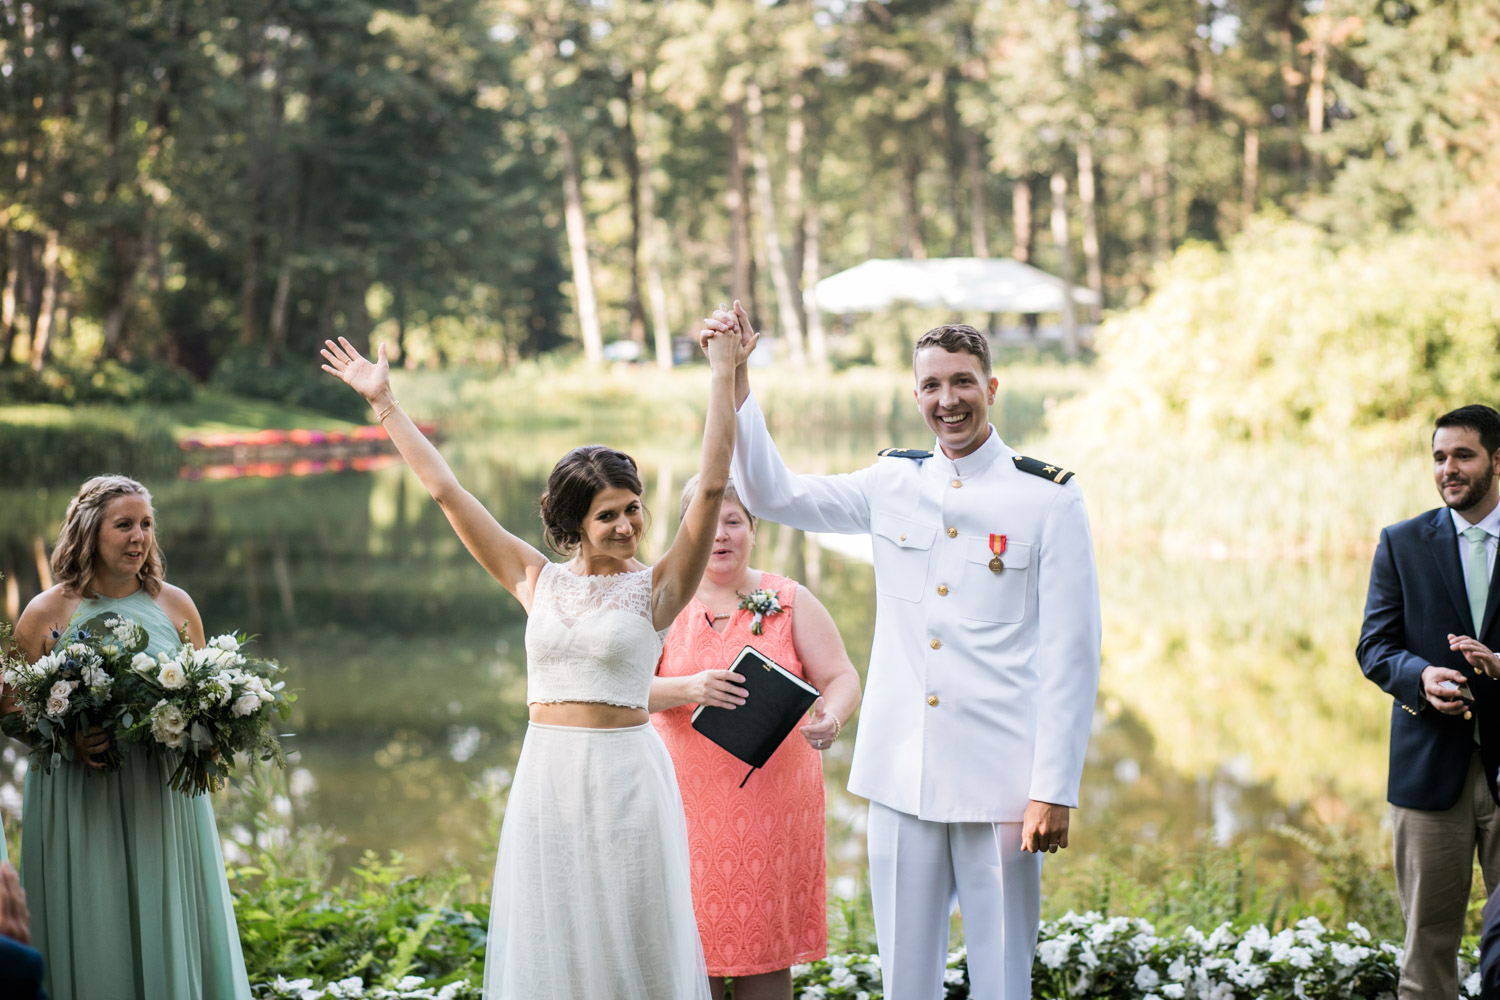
{"points": [[935, 644], [932, 700], [957, 483], [942, 590], [952, 532]]}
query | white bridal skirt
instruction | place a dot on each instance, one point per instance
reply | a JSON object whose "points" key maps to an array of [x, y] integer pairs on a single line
{"points": [[592, 894]]}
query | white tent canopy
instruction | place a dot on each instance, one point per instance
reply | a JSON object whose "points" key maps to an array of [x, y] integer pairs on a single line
{"points": [[964, 283]]}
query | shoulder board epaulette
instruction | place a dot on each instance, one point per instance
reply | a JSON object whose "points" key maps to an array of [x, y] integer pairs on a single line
{"points": [[916, 453], [1037, 467]]}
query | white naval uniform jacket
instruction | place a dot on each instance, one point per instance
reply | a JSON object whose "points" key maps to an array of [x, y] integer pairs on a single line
{"points": [[981, 685]]}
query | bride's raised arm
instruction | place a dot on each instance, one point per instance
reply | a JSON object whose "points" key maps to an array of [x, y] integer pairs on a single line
{"points": [[508, 559], [676, 575]]}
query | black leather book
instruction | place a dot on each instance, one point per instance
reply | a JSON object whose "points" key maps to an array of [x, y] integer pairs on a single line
{"points": [[777, 701]]}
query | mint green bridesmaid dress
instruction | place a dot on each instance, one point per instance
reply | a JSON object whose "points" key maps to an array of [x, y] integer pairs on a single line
{"points": [[125, 877]]}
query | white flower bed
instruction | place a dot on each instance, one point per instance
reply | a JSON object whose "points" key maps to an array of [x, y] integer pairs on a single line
{"points": [[1081, 956], [353, 988]]}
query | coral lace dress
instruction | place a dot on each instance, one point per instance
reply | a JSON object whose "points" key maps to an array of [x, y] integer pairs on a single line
{"points": [[758, 857]]}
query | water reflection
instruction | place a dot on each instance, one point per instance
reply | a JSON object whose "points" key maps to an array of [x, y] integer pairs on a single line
{"points": [[1230, 701]]}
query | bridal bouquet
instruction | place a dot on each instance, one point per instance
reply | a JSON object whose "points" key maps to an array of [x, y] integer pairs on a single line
{"points": [[72, 689], [209, 703]]}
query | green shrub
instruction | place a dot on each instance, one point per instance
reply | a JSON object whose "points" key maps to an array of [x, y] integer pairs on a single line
{"points": [[89, 442], [105, 382], [299, 385], [1286, 335]]}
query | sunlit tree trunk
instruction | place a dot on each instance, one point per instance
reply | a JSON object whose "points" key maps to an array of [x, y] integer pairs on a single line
{"points": [[1291, 79], [1064, 261], [1022, 232], [257, 183], [578, 249], [650, 227], [796, 203], [12, 297], [913, 241], [738, 197], [817, 339], [1250, 178], [276, 329], [1319, 29], [631, 153], [1086, 198], [46, 313], [786, 310], [974, 164]]}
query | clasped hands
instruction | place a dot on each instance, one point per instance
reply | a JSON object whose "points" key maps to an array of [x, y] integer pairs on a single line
{"points": [[733, 320], [1446, 699]]}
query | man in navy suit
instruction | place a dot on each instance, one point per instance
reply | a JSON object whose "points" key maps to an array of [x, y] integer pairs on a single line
{"points": [[1428, 633]]}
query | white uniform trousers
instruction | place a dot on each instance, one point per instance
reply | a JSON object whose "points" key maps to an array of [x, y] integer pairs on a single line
{"points": [[918, 870]]}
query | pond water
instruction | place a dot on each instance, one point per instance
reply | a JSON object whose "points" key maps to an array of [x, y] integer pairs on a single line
{"points": [[1230, 704]]}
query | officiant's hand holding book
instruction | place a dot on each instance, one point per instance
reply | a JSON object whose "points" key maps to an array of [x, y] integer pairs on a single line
{"points": [[776, 700]]}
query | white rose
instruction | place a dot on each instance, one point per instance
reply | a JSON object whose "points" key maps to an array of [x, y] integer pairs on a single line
{"points": [[167, 724], [62, 689], [227, 643], [246, 704], [142, 664], [56, 705], [171, 676]]}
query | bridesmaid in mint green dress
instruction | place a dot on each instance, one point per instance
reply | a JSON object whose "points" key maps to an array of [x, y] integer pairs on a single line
{"points": [[124, 877]]}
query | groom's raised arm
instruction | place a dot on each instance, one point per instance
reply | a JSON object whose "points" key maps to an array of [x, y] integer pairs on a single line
{"points": [[837, 504]]}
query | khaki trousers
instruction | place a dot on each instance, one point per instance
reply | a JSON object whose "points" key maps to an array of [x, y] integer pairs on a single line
{"points": [[1434, 869]]}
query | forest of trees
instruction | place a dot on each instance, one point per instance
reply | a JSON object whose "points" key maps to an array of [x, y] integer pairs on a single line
{"points": [[195, 181]]}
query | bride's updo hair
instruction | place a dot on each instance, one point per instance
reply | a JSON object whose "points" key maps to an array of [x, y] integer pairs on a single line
{"points": [[78, 539], [575, 480]]}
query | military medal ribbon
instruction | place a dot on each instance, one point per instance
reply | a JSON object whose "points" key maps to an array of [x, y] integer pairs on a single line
{"points": [[997, 546]]}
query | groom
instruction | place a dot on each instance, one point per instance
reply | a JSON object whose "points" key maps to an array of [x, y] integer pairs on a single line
{"points": [[983, 671]]}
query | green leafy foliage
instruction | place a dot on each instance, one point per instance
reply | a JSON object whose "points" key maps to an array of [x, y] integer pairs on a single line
{"points": [[298, 385], [1288, 336], [107, 381], [383, 924]]}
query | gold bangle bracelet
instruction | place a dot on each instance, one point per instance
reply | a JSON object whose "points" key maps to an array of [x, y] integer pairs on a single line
{"points": [[838, 727], [380, 417]]}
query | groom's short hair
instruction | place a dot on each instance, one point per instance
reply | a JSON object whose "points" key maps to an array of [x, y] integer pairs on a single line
{"points": [[1478, 418], [956, 337]]}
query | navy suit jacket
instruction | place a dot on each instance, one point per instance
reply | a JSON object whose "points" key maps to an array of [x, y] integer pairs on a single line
{"points": [[1417, 596], [20, 971]]}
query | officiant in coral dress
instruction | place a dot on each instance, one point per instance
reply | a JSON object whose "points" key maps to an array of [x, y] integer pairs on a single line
{"points": [[758, 861]]}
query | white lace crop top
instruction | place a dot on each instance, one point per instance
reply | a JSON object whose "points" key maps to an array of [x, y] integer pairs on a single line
{"points": [[589, 638]]}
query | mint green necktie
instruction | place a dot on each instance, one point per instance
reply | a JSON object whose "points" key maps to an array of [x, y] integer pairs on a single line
{"points": [[1478, 574]]}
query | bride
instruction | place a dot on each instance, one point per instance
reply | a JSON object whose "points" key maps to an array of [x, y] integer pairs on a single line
{"points": [[591, 892]]}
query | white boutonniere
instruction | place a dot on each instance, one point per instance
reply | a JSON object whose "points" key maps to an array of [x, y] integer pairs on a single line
{"points": [[761, 603]]}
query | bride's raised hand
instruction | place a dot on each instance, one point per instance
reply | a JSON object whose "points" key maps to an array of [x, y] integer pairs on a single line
{"points": [[726, 349], [741, 321], [370, 379]]}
